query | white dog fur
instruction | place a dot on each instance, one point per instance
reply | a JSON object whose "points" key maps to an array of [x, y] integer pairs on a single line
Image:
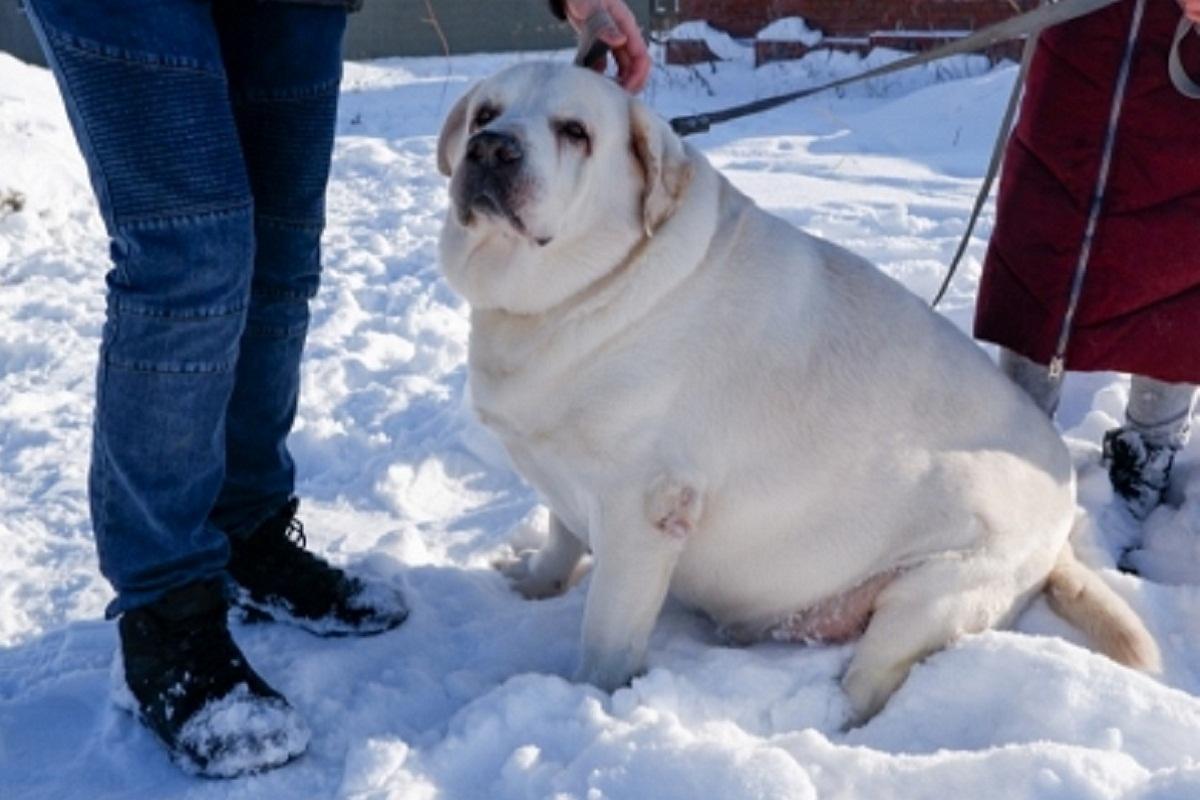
{"points": [[724, 407]]}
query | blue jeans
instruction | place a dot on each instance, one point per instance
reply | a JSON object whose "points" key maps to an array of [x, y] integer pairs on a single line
{"points": [[207, 127]]}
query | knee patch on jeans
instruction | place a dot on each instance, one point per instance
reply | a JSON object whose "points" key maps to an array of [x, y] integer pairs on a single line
{"points": [[159, 134], [179, 292], [287, 273], [173, 344]]}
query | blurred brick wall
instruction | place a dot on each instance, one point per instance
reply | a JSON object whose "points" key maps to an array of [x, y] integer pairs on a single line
{"points": [[840, 17]]}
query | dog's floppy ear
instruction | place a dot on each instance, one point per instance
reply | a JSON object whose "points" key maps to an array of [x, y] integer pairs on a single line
{"points": [[452, 131], [666, 170]]}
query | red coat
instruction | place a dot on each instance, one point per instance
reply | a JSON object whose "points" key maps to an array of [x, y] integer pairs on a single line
{"points": [[1140, 306]]}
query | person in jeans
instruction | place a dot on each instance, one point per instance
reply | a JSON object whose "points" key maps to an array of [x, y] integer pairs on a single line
{"points": [[1092, 265], [207, 127]]}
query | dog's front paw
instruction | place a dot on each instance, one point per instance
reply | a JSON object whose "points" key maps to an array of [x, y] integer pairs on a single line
{"points": [[521, 571]]}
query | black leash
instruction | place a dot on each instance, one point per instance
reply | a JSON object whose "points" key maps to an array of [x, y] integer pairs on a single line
{"points": [[1028, 25], [1016, 27]]}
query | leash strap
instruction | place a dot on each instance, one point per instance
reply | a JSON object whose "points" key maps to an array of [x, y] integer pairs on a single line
{"points": [[1058, 362], [1015, 27], [1028, 25], [993, 169], [1179, 77]]}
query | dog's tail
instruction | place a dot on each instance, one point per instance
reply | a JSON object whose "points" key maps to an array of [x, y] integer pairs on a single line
{"points": [[1080, 597]]}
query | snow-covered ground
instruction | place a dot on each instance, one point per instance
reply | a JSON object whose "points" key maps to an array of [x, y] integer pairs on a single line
{"points": [[468, 700]]}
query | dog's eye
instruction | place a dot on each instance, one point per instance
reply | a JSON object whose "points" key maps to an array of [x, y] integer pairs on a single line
{"points": [[484, 115], [572, 130]]}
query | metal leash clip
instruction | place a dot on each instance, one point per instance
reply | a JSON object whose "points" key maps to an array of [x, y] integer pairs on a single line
{"points": [[1179, 76]]}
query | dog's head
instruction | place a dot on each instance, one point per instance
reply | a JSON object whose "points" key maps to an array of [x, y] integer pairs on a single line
{"points": [[556, 174]]}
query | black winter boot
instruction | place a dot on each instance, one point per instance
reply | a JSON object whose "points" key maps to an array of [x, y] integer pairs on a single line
{"points": [[190, 684], [1139, 470], [281, 580]]}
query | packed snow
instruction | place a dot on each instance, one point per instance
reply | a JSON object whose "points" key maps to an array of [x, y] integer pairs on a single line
{"points": [[468, 700]]}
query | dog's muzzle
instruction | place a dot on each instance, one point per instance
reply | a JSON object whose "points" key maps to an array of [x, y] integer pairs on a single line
{"points": [[495, 151], [491, 180]]}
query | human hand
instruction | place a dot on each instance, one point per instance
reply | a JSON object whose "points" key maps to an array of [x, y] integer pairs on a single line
{"points": [[1191, 9], [622, 36]]}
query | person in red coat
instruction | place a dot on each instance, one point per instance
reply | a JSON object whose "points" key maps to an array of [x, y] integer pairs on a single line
{"points": [[1093, 263]]}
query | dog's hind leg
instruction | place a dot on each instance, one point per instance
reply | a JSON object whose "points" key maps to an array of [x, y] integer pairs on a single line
{"points": [[924, 609], [546, 572]]}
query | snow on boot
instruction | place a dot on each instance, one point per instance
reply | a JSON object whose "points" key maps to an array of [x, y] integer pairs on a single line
{"points": [[182, 674], [1139, 470], [282, 581]]}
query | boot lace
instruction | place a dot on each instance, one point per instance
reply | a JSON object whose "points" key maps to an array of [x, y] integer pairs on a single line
{"points": [[294, 533]]}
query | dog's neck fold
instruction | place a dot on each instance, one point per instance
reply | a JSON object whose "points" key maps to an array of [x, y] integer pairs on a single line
{"points": [[503, 342]]}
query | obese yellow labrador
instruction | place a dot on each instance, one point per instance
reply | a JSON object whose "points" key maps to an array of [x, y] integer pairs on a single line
{"points": [[725, 408]]}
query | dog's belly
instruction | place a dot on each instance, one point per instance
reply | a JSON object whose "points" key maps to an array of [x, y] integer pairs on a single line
{"points": [[838, 618], [827, 606]]}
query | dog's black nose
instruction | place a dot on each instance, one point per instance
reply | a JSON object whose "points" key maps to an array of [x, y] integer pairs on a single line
{"points": [[494, 149]]}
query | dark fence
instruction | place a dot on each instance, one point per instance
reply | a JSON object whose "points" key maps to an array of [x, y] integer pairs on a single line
{"points": [[399, 27]]}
